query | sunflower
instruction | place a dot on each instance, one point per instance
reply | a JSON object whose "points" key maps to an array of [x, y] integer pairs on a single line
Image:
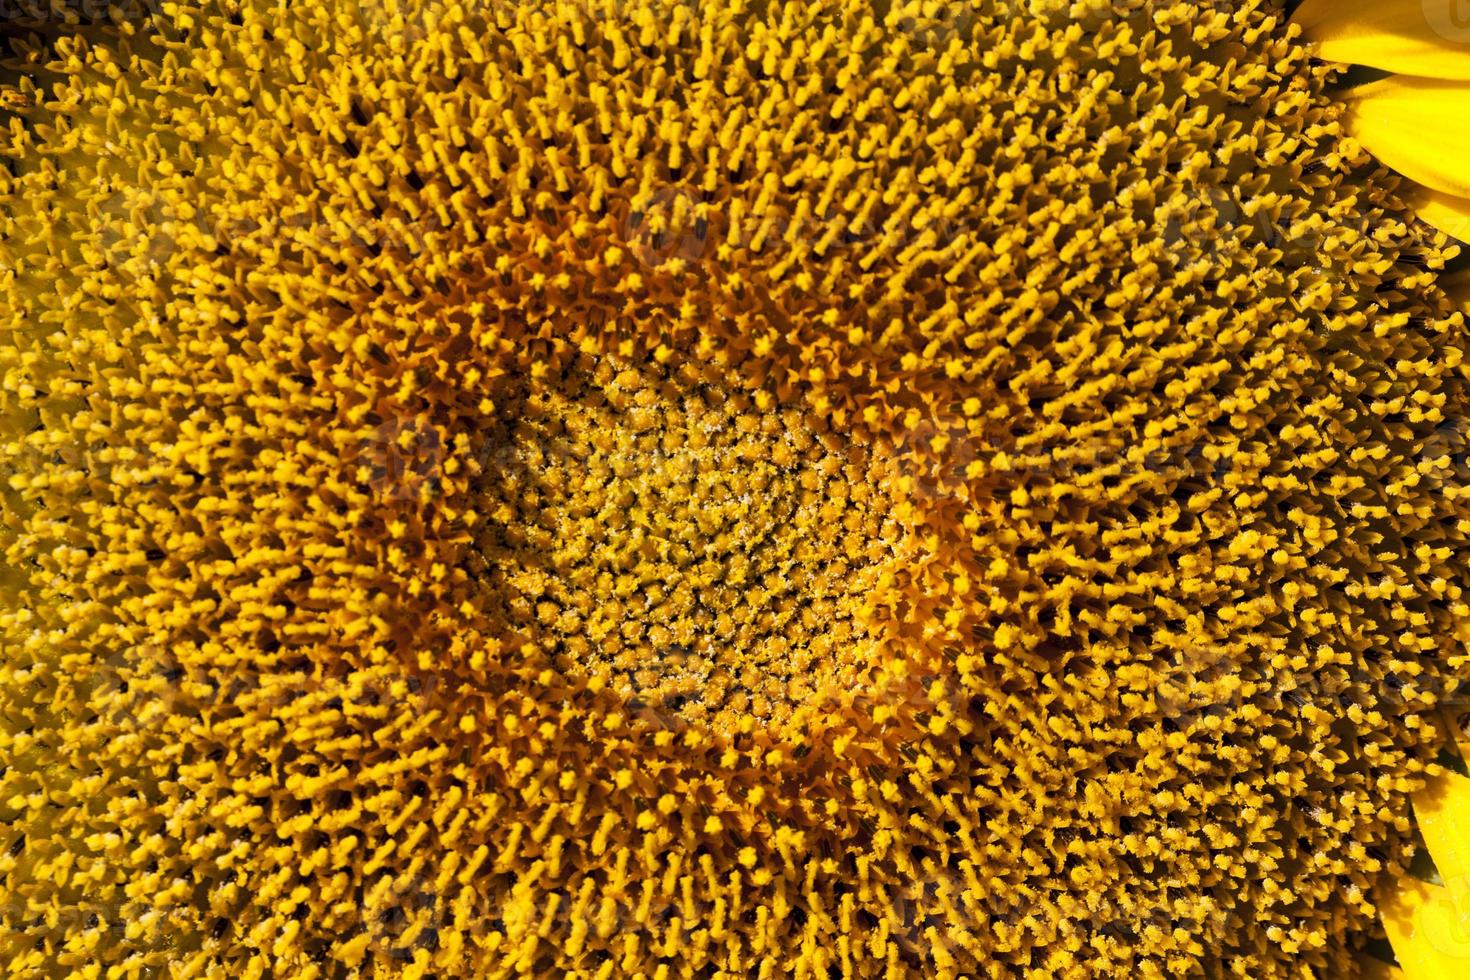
{"points": [[645, 488]]}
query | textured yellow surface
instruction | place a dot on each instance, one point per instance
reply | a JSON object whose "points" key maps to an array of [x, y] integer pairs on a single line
{"points": [[729, 489]]}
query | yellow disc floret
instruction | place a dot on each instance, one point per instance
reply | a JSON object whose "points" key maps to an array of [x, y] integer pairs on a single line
{"points": [[643, 488], [711, 562]]}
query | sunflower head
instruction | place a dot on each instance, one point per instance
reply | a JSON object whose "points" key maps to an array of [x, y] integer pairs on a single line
{"points": [[659, 489]]}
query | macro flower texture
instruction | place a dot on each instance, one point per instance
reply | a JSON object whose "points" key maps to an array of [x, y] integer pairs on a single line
{"points": [[734, 488]]}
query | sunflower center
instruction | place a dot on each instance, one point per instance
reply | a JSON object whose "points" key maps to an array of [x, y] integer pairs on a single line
{"points": [[709, 553]]}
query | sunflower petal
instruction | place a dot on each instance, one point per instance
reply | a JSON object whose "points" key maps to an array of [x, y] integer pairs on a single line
{"points": [[1448, 213], [1420, 37], [1424, 929], [1442, 811], [1419, 127]]}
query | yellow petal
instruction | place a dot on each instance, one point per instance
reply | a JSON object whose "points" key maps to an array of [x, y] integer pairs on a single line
{"points": [[1420, 37], [1419, 127], [1448, 213], [1442, 810], [1425, 928]]}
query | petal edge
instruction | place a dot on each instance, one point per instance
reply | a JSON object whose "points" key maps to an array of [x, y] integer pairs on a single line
{"points": [[1396, 35], [1419, 127]]}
